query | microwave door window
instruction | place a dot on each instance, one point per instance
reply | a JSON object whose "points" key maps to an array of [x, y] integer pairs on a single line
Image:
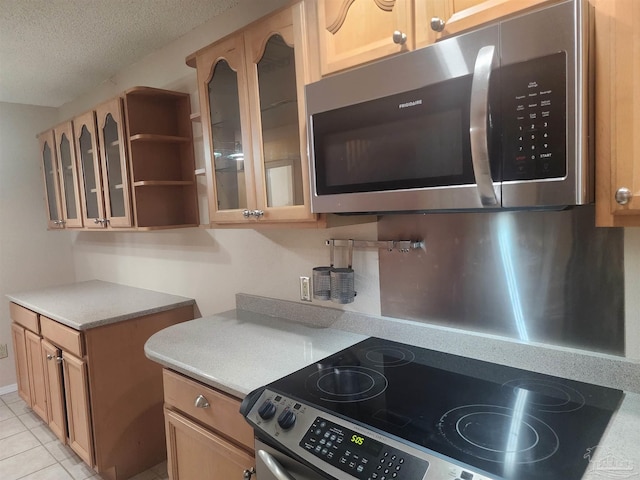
{"points": [[393, 155], [378, 146]]}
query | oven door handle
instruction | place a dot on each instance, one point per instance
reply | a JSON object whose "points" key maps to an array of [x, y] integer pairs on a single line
{"points": [[274, 466], [478, 120]]}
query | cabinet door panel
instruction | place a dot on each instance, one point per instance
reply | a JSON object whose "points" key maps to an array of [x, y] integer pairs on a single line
{"points": [[65, 149], [195, 453], [78, 413], [86, 139], [226, 129], [352, 32], [460, 15], [115, 169], [36, 375], [617, 113], [54, 387], [50, 174], [22, 371], [275, 73]]}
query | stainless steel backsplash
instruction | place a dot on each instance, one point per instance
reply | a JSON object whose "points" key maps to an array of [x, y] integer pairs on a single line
{"points": [[546, 276]]}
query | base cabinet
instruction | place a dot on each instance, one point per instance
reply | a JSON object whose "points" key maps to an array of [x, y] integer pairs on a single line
{"points": [[195, 453], [95, 388], [36, 375], [76, 387], [20, 350], [206, 435], [54, 386]]}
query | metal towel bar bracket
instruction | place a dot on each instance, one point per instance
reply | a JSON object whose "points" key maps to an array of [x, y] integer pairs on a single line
{"points": [[401, 245]]}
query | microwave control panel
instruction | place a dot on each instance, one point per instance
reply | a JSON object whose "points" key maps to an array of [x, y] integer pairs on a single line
{"points": [[534, 118]]}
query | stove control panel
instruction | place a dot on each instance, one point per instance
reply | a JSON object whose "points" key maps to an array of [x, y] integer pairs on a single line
{"points": [[359, 455], [345, 450]]}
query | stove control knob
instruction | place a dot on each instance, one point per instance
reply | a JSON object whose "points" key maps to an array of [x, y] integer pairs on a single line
{"points": [[267, 410], [287, 419]]}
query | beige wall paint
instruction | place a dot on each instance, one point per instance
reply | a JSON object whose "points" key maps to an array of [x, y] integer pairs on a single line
{"points": [[30, 256]]}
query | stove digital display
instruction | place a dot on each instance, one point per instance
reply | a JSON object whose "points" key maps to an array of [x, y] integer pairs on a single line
{"points": [[359, 455]]}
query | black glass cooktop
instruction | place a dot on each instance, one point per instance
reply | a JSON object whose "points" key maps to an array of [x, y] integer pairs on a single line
{"points": [[511, 423]]}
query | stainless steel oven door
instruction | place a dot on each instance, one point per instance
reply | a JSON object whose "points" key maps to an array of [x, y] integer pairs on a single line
{"points": [[272, 464]]}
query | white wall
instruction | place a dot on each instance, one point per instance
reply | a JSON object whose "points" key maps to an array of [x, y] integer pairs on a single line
{"points": [[30, 256]]}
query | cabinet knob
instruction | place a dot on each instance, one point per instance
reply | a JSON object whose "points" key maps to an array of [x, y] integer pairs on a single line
{"points": [[437, 24], [399, 37], [248, 473], [258, 213], [51, 357], [623, 195], [246, 213], [201, 402]]}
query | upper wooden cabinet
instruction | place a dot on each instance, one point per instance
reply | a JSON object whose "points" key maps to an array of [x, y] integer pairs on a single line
{"points": [[353, 32], [136, 162], [60, 172], [89, 166], [68, 175], [115, 171], [617, 113], [454, 16], [49, 167], [251, 91]]}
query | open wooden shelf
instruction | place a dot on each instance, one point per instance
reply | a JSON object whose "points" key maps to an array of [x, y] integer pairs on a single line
{"points": [[150, 137], [162, 159], [162, 183]]}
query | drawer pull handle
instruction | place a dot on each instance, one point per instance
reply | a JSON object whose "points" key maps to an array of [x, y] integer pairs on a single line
{"points": [[201, 402]]}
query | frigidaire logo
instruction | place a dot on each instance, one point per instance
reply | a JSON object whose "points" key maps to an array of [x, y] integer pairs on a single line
{"points": [[410, 104]]}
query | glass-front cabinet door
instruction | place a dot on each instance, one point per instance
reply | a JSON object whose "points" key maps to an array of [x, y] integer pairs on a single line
{"points": [[115, 172], [68, 170], [86, 140], [223, 100], [50, 175], [253, 123], [276, 81]]}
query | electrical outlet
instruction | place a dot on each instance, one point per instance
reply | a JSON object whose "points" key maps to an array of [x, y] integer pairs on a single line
{"points": [[3, 351], [305, 289]]}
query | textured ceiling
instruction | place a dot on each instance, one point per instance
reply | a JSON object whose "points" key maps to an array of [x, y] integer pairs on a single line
{"points": [[52, 51]]}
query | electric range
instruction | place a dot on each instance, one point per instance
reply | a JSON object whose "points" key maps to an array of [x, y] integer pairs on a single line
{"points": [[382, 410]]}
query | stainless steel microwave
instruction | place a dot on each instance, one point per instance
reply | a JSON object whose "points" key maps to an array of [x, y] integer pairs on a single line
{"points": [[498, 117]]}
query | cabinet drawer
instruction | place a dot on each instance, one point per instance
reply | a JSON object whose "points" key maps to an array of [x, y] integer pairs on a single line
{"points": [[24, 317], [222, 414], [66, 338]]}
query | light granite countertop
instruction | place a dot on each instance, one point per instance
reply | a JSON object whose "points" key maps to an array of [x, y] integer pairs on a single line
{"points": [[239, 351], [93, 303]]}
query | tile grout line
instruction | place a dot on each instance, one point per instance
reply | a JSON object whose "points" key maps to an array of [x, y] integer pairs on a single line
{"points": [[36, 471]]}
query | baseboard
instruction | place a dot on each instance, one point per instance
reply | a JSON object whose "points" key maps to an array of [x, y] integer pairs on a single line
{"points": [[8, 389]]}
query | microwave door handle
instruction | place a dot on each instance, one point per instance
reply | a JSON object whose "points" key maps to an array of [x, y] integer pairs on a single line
{"points": [[478, 120], [274, 466]]}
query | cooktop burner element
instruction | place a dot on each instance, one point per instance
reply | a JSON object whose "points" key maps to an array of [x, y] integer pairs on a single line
{"points": [[498, 434], [547, 395], [388, 356], [438, 415], [346, 384]]}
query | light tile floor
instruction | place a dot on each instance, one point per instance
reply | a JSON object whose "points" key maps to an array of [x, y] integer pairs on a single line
{"points": [[30, 451]]}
